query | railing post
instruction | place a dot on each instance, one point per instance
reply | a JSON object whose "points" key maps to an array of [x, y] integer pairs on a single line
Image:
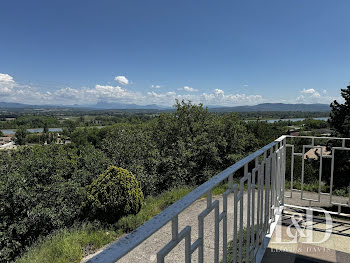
{"points": [[283, 168]]}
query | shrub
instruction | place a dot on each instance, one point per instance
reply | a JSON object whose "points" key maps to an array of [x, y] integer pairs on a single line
{"points": [[114, 194]]}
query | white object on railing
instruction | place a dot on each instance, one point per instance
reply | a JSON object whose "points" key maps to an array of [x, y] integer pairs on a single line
{"points": [[265, 180]]}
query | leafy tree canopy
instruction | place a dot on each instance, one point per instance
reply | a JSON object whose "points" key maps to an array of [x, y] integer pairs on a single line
{"points": [[21, 136], [340, 114]]}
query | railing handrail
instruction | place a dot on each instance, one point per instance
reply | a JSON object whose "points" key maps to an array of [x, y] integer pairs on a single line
{"points": [[315, 137], [121, 247]]}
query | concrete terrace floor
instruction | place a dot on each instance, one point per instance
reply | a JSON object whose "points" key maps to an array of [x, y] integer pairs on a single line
{"points": [[147, 251], [288, 245]]}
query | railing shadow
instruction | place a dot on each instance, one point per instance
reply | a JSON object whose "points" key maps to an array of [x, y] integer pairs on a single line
{"points": [[317, 222]]}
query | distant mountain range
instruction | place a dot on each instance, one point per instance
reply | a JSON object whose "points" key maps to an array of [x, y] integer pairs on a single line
{"points": [[13, 105], [273, 107], [122, 106], [97, 106]]}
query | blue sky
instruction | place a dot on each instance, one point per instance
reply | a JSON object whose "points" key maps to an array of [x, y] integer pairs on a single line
{"points": [[145, 52]]}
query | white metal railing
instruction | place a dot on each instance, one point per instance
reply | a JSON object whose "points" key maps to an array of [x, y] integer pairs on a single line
{"points": [[314, 200], [263, 177]]}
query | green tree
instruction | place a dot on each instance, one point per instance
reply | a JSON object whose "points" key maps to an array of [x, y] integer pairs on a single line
{"points": [[70, 125], [21, 136], [46, 128], [195, 144], [114, 194], [265, 132], [131, 147], [42, 190], [340, 122], [340, 114], [79, 136], [37, 196]]}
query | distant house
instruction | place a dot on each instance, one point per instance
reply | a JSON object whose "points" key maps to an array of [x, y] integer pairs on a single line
{"points": [[67, 140], [4, 140], [315, 153], [294, 133]]}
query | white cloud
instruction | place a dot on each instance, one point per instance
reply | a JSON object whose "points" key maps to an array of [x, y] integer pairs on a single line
{"points": [[189, 89], [6, 78], [313, 96], [219, 92], [6, 84], [308, 91], [122, 80], [108, 91], [311, 92], [218, 97], [300, 99], [12, 91], [99, 93], [160, 95]]}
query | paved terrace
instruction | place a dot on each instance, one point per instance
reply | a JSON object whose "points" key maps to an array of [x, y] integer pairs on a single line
{"points": [[146, 252]]}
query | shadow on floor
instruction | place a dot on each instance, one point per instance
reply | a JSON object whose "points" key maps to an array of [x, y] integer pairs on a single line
{"points": [[316, 223], [273, 256], [288, 243]]}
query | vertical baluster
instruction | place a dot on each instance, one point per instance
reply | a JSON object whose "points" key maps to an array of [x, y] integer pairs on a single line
{"points": [[175, 227], [252, 237], [278, 178], [258, 207], [241, 194], [284, 167], [273, 185], [302, 172], [188, 247], [263, 194], [248, 217], [267, 194], [209, 198], [224, 228], [292, 173], [235, 198], [216, 237], [201, 239], [266, 204], [332, 174], [261, 227]]}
